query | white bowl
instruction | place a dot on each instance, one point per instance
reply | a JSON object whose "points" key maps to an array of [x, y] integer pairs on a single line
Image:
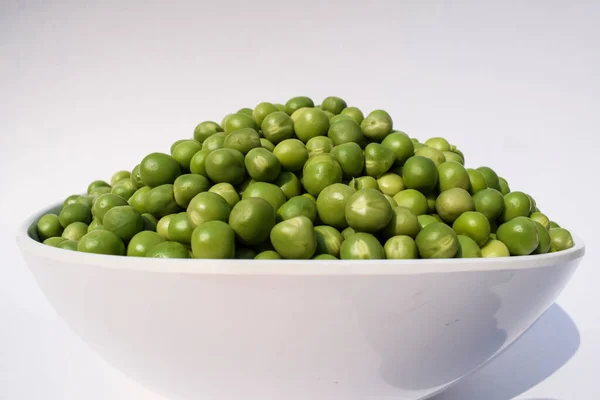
{"points": [[275, 329]]}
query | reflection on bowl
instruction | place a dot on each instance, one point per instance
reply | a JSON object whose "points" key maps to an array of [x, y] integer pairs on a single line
{"points": [[276, 329]]}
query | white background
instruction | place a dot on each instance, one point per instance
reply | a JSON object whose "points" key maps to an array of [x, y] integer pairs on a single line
{"points": [[87, 89]]}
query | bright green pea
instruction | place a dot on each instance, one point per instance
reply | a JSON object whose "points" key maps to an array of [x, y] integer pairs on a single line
{"points": [[75, 231], [262, 165], [401, 247], [516, 204], [95, 185], [74, 213], [206, 129], [68, 245], [491, 178], [252, 220], [329, 240], [123, 189], [437, 240], [267, 191], [474, 225], [319, 145], [160, 201], [198, 163], [477, 181], [297, 206], [494, 248], [453, 175], [213, 239], [49, 226], [318, 175], [467, 248], [184, 151], [297, 103], [544, 239], [238, 121], [168, 249], [404, 222], [266, 144], [289, 184], [262, 110], [277, 127], [268, 255], [158, 169], [452, 203], [142, 242], [331, 204], [420, 173], [438, 143], [489, 202], [350, 158], [378, 159], [361, 246], [413, 200], [214, 142], [292, 154], [101, 241], [390, 184], [124, 221], [560, 239], [207, 206], [227, 191], [367, 210], [226, 165], [377, 125], [138, 199], [54, 241], [294, 238], [364, 182], [345, 131], [520, 236], [401, 145], [242, 140]]}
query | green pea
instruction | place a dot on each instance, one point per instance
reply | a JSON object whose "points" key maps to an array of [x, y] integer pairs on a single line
{"points": [[168, 249], [541, 218], [267, 145], [162, 227], [401, 145], [467, 248], [353, 113], [516, 204], [318, 175], [54, 241], [267, 255], [297, 206], [68, 245], [367, 210], [425, 219], [226, 191], [160, 201], [187, 186], [72, 199], [158, 169], [333, 104], [289, 184], [49, 226], [292, 154], [378, 159], [214, 142], [262, 110], [453, 175], [262, 165], [242, 140], [560, 239], [431, 198], [504, 188], [142, 242], [101, 241], [544, 239], [347, 232], [390, 200], [267, 191], [206, 129], [331, 204], [350, 158], [452, 203], [364, 182], [277, 127], [413, 200], [491, 178], [361, 246], [420, 173], [207, 206], [311, 122], [494, 248], [554, 225], [124, 221], [451, 156], [318, 145], [400, 247], [184, 151], [476, 181], [377, 125], [136, 178], [252, 220], [245, 110], [226, 165], [138, 199], [329, 240], [74, 213], [238, 121], [95, 224], [489, 202], [345, 131], [519, 235], [403, 223], [75, 231], [474, 225], [123, 189], [198, 163], [297, 103], [213, 239], [294, 238], [437, 240], [95, 185]]}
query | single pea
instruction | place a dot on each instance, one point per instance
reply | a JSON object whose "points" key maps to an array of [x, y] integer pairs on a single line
{"points": [[72, 199], [95, 224], [333, 104], [75, 231], [150, 222], [341, 117], [267, 191], [198, 163], [350, 158], [403, 222], [544, 239], [453, 175], [175, 143], [347, 232], [364, 182], [261, 111], [494, 248], [420, 173], [491, 178], [433, 154], [297, 206], [353, 113], [224, 120], [560, 239], [49, 226], [361, 246], [345, 131], [438, 143], [242, 140], [68, 245], [504, 188], [431, 198], [289, 184], [554, 225], [252, 220], [319, 145], [268, 255], [541, 218], [226, 165], [331, 204], [206, 129], [318, 175], [329, 240], [142, 242], [489, 202], [226, 191], [277, 127], [437, 240], [390, 184], [184, 151], [162, 227], [213, 240], [467, 248], [186, 187], [474, 225], [292, 154], [266, 144], [367, 210], [401, 145], [294, 238], [426, 219], [377, 125], [378, 159], [214, 142], [519, 235], [413, 200], [516, 204], [74, 213], [180, 228], [160, 201], [262, 165], [124, 221], [245, 110], [238, 121], [87, 201], [400, 247], [123, 189], [54, 241], [297, 103], [451, 156], [158, 169], [101, 241], [97, 184], [452, 203], [168, 249], [207, 206], [476, 181], [311, 122]]}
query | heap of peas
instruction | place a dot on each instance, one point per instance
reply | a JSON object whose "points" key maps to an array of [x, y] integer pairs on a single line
{"points": [[299, 181]]}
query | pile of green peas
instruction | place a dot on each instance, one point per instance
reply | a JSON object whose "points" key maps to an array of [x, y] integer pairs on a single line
{"points": [[304, 181]]}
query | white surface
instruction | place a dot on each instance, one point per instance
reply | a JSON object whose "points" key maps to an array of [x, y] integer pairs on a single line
{"points": [[86, 85]]}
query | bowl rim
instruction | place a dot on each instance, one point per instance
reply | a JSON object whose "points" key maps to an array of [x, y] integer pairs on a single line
{"points": [[29, 246]]}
